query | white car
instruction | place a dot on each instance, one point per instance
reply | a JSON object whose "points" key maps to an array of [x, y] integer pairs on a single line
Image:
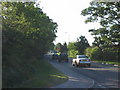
{"points": [[81, 60]]}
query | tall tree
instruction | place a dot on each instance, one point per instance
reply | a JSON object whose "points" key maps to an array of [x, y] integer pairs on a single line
{"points": [[27, 34], [81, 44], [107, 38], [28, 25], [108, 15]]}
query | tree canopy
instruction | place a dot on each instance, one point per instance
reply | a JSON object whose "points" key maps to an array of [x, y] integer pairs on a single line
{"points": [[78, 47], [72, 50], [81, 44], [61, 48], [28, 33], [27, 26], [108, 15], [107, 38]]}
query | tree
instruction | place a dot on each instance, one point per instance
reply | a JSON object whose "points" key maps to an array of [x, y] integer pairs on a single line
{"points": [[58, 47], [64, 48], [28, 33], [51, 47], [29, 26], [61, 48], [108, 15], [81, 44], [72, 49], [107, 37]]}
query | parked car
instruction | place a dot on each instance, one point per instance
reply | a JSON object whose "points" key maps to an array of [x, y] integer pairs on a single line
{"points": [[81, 60], [63, 57]]}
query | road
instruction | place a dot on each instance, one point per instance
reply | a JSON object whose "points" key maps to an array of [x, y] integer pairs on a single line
{"points": [[96, 76], [103, 75]]}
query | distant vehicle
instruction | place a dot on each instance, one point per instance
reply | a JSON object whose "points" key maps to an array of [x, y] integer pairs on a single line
{"points": [[55, 56], [63, 57], [81, 60]]}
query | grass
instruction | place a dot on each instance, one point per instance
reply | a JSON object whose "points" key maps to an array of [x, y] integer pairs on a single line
{"points": [[45, 76], [108, 62]]}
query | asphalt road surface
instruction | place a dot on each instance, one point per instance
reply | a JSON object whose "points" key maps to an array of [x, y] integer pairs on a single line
{"points": [[96, 76]]}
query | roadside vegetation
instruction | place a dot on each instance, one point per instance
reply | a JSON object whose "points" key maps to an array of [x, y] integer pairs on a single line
{"points": [[107, 62], [45, 76], [106, 55], [27, 34]]}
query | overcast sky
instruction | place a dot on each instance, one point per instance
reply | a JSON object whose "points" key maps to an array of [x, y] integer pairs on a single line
{"points": [[67, 14]]}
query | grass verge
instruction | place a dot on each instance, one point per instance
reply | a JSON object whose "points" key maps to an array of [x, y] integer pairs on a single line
{"points": [[45, 76], [108, 62]]}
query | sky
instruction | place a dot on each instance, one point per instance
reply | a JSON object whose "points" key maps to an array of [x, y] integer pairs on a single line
{"points": [[67, 14]]}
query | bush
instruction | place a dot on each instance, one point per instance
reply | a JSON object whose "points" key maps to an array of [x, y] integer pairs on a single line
{"points": [[110, 54], [73, 53], [107, 54]]}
